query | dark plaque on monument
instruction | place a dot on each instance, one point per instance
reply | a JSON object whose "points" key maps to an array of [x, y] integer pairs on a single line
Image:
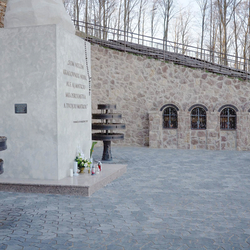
{"points": [[21, 108]]}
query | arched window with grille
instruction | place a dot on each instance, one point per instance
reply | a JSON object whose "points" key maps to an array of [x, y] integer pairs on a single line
{"points": [[228, 118], [170, 117], [198, 118]]}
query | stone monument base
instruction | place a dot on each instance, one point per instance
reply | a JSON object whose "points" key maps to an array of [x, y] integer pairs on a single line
{"points": [[83, 184]]}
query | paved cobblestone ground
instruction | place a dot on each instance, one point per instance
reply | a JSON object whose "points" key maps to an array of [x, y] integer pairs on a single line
{"points": [[169, 199]]}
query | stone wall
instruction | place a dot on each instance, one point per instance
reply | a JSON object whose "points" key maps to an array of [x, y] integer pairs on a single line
{"points": [[141, 87], [2, 11]]}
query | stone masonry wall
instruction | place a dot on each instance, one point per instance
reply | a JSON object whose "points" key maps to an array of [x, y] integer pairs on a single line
{"points": [[141, 86]]}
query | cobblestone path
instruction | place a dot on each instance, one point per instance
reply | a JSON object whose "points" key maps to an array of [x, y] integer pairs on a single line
{"points": [[168, 199]]}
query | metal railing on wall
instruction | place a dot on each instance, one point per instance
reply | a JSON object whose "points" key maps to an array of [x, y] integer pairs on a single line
{"points": [[154, 45]]}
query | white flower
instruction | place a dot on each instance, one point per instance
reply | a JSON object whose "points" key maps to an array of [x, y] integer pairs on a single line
{"points": [[85, 164]]}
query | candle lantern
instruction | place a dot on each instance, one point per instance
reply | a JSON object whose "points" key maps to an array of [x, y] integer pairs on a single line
{"points": [[75, 168]]}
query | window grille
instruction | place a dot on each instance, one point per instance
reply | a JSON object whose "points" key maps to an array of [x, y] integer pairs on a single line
{"points": [[228, 119], [198, 118], [170, 118]]}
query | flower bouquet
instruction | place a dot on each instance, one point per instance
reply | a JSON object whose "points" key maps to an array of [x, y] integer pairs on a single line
{"points": [[82, 163]]}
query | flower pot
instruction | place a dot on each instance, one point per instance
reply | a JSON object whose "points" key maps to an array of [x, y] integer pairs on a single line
{"points": [[1, 166]]}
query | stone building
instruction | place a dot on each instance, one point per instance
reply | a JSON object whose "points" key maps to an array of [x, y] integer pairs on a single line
{"points": [[170, 106]]}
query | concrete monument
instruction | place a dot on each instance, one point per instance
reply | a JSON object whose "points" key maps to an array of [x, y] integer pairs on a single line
{"points": [[21, 13], [45, 90]]}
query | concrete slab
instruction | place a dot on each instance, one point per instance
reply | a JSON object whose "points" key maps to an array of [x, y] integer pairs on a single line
{"points": [[83, 184]]}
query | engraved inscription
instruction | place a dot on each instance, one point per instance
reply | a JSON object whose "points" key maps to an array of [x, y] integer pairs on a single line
{"points": [[74, 74], [75, 106], [75, 85], [80, 121], [77, 65], [74, 95], [78, 86], [75, 82]]}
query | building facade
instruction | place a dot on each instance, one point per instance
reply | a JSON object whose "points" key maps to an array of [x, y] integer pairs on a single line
{"points": [[170, 106]]}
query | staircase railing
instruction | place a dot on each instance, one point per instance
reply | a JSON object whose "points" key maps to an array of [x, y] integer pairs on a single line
{"points": [[106, 33]]}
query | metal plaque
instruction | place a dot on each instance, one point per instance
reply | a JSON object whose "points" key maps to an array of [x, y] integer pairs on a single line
{"points": [[21, 108]]}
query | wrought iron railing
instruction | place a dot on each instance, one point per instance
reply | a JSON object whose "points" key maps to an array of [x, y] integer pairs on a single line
{"points": [[106, 33]]}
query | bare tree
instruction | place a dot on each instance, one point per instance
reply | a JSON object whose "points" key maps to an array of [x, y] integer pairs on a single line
{"points": [[167, 8], [185, 20], [69, 6], [118, 18], [86, 16], [153, 13], [110, 10], [77, 13], [128, 8], [74, 8], [212, 36], [243, 34], [203, 5], [182, 34], [236, 30], [224, 24], [102, 11], [226, 9], [126, 17], [142, 5]]}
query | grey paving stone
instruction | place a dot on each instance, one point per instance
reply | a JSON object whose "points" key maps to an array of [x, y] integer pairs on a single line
{"points": [[114, 247], [14, 247], [30, 248], [5, 232], [80, 245], [168, 199], [3, 246], [131, 247], [147, 246]]}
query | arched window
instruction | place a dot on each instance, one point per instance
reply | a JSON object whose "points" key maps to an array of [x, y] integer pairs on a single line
{"points": [[198, 118], [170, 116], [228, 118]]}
